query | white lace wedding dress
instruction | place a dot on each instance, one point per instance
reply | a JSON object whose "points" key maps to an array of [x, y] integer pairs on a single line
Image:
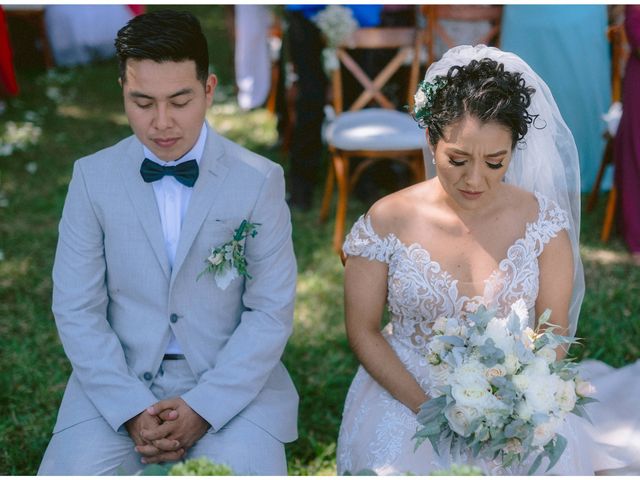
{"points": [[377, 430]]}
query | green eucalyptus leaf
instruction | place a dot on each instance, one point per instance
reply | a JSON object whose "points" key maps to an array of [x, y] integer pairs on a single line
{"points": [[431, 409], [452, 340], [434, 439], [536, 463], [544, 318], [580, 411], [432, 428], [556, 452]]}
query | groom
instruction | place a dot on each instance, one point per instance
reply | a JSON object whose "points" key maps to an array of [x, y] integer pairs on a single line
{"points": [[168, 363]]}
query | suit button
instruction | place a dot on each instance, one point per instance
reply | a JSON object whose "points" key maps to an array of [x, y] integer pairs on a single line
{"points": [[173, 318], [147, 376]]}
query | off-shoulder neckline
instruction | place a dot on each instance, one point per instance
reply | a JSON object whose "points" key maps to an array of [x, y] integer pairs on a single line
{"points": [[415, 246]]}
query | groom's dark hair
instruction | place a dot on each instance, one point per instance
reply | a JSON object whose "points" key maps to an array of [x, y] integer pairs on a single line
{"points": [[163, 36]]}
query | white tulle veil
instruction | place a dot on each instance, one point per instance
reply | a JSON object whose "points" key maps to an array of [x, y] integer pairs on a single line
{"points": [[546, 161]]}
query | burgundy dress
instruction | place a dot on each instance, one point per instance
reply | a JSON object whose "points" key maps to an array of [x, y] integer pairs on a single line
{"points": [[627, 141], [8, 83]]}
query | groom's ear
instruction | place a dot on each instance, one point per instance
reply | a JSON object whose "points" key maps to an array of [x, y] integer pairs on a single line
{"points": [[120, 81]]}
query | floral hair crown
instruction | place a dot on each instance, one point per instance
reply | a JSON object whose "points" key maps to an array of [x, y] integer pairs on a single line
{"points": [[424, 98]]}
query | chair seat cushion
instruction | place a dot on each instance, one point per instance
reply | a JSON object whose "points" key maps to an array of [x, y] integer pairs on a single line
{"points": [[375, 129]]}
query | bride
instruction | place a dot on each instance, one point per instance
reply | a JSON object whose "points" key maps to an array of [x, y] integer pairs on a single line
{"points": [[498, 223]]}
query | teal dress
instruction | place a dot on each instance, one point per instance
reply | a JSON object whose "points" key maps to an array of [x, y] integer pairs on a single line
{"points": [[567, 46]]}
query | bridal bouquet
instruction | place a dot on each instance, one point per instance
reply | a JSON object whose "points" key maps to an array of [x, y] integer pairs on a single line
{"points": [[498, 388]]}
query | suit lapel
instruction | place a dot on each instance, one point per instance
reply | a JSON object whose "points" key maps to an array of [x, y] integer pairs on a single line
{"points": [[205, 191], [143, 201]]}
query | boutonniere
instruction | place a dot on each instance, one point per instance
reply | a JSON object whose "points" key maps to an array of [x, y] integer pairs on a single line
{"points": [[227, 261]]}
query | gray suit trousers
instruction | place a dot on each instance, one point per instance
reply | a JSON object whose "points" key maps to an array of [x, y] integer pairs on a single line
{"points": [[92, 447]]}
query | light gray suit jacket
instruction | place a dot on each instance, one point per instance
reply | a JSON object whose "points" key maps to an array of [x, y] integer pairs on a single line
{"points": [[116, 300]]}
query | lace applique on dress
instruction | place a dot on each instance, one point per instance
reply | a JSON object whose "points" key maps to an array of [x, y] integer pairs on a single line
{"points": [[363, 241]]}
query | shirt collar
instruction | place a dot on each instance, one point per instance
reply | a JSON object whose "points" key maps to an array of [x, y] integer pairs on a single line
{"points": [[195, 153]]}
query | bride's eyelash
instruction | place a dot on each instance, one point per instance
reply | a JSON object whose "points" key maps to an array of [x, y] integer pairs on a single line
{"points": [[459, 163], [494, 166]]}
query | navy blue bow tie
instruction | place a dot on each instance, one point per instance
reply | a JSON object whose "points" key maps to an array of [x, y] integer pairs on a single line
{"points": [[186, 173]]}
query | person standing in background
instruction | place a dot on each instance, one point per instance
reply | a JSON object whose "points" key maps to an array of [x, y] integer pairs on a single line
{"points": [[305, 47], [627, 140], [567, 46], [8, 82], [252, 57], [80, 34]]}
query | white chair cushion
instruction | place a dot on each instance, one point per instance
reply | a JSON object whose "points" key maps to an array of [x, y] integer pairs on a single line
{"points": [[375, 129]]}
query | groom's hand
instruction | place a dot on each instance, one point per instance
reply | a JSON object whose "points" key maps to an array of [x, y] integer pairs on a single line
{"points": [[153, 453], [186, 429]]}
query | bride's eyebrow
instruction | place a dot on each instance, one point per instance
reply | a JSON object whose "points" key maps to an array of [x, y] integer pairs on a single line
{"points": [[497, 154], [491, 155], [459, 152]]}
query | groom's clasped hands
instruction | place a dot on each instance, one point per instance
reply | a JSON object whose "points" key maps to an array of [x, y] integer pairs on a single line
{"points": [[166, 430]]}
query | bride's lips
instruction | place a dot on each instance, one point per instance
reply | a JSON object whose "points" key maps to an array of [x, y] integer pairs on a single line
{"points": [[165, 142], [470, 195]]}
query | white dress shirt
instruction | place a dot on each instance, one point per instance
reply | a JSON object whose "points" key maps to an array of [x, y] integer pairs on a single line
{"points": [[173, 198]]}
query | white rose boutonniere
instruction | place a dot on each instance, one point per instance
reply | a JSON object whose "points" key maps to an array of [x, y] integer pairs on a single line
{"points": [[227, 261]]}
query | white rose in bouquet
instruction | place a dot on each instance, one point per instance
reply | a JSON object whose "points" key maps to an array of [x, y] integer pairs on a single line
{"points": [[543, 433], [440, 374], [498, 332], [511, 363], [454, 328], [541, 393], [524, 410], [494, 416], [537, 367], [469, 370], [460, 418], [475, 393], [566, 395], [437, 347], [584, 389], [498, 370], [521, 382]]}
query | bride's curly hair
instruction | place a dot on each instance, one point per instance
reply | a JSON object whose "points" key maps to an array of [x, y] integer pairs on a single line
{"points": [[482, 89]]}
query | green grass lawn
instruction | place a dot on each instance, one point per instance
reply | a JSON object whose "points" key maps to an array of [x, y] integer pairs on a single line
{"points": [[78, 111]]}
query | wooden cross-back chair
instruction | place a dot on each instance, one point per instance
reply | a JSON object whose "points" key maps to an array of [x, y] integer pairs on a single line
{"points": [[373, 134], [619, 54], [435, 14]]}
